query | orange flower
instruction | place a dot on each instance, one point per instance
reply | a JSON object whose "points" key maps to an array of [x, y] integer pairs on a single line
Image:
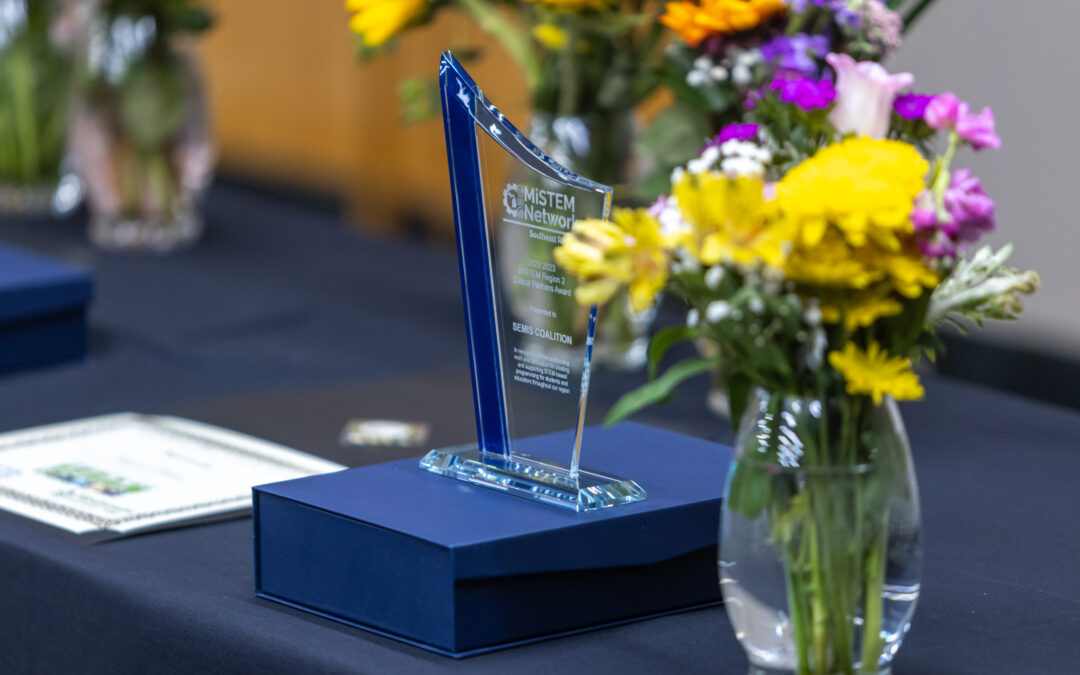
{"points": [[694, 22]]}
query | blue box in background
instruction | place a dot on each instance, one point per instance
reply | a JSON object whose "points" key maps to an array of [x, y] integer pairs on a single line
{"points": [[43, 304], [461, 570]]}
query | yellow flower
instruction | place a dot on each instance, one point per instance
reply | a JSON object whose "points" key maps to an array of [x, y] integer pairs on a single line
{"points": [[695, 21], [862, 309], [550, 35], [875, 373], [832, 261], [626, 251], [865, 187], [376, 21], [907, 270], [731, 220]]}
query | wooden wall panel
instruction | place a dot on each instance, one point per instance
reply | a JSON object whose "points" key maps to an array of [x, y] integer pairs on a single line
{"points": [[291, 103]]}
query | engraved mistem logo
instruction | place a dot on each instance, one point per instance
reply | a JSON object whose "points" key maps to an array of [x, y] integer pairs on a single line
{"points": [[537, 206]]}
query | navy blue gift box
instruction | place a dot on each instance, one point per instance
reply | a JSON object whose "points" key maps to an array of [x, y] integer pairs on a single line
{"points": [[461, 570], [43, 306]]}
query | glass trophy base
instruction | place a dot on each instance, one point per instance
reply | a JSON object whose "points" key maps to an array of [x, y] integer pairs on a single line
{"points": [[533, 478]]}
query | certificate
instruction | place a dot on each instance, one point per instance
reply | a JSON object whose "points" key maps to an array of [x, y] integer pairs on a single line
{"points": [[127, 472]]}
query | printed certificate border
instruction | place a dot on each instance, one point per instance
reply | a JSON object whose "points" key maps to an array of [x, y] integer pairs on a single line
{"points": [[207, 436]]}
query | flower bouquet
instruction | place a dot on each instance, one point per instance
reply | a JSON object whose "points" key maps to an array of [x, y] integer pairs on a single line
{"points": [[727, 49], [819, 244]]}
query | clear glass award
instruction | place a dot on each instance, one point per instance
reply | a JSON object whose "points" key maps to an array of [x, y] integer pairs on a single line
{"points": [[530, 375]]}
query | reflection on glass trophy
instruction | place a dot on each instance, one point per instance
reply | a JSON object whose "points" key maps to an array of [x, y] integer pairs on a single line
{"points": [[530, 376]]}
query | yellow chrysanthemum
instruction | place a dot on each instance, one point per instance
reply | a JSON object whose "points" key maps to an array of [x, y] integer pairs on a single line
{"points": [[864, 187], [876, 374], [376, 21], [626, 251], [695, 21], [862, 309], [832, 261], [907, 270], [731, 220]]}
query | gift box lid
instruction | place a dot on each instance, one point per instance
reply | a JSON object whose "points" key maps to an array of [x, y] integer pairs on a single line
{"points": [[485, 530], [33, 285]]}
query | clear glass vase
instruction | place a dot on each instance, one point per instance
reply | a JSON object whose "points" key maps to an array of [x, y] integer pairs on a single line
{"points": [[37, 40], [820, 542], [599, 147], [140, 136]]}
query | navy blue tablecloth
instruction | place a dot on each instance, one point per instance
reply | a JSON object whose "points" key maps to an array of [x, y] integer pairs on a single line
{"points": [[284, 324]]}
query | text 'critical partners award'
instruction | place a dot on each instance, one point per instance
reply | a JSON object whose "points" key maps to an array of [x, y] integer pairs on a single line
{"points": [[529, 345]]}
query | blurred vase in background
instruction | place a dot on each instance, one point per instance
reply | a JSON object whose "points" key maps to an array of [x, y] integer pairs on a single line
{"points": [[37, 39], [139, 126]]}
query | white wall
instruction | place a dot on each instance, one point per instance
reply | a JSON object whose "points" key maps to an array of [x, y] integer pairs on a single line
{"points": [[1023, 59]]}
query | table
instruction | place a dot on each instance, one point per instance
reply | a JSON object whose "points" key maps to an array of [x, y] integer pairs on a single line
{"points": [[284, 324]]}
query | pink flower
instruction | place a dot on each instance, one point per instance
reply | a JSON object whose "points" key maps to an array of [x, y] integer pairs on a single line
{"points": [[864, 95], [948, 112], [977, 129], [942, 112]]}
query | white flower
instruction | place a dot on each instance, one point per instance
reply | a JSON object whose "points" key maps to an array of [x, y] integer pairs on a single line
{"points": [[812, 315], [705, 161], [865, 92], [749, 57], [718, 73], [692, 317], [756, 305], [714, 276], [696, 78], [736, 167], [739, 148], [741, 74], [702, 63], [717, 311]]}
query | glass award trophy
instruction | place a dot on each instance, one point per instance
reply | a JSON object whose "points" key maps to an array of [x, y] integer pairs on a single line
{"points": [[530, 373]]}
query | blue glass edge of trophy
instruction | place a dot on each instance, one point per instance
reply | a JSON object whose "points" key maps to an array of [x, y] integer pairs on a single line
{"points": [[492, 464]]}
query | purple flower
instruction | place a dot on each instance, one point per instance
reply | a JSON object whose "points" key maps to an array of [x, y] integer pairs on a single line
{"points": [[841, 13], [969, 205], [736, 132], [796, 52], [804, 92], [969, 214], [912, 106]]}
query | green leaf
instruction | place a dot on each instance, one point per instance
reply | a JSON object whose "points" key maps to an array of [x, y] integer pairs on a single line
{"points": [[663, 340], [192, 19], [419, 98], [738, 391], [656, 390]]}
